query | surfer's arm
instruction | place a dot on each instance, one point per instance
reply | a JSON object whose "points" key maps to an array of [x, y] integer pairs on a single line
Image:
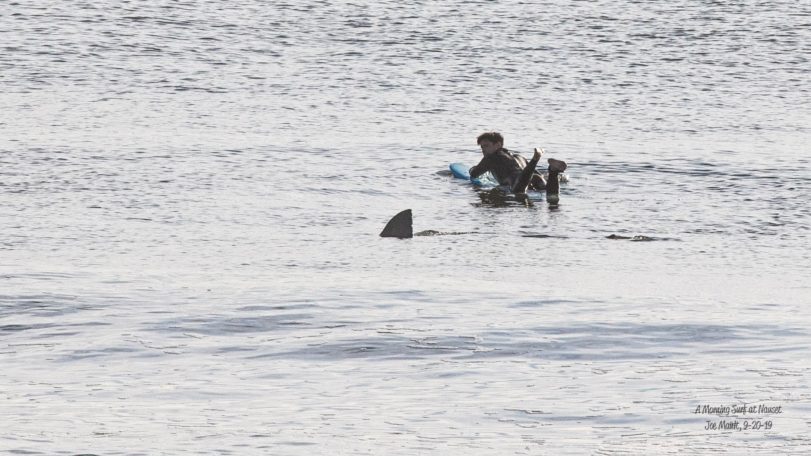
{"points": [[479, 169]]}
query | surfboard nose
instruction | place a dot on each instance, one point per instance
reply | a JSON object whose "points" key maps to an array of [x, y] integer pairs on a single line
{"points": [[400, 226]]}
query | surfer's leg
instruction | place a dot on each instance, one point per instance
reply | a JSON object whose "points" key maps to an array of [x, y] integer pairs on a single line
{"points": [[537, 182], [553, 181], [520, 186]]}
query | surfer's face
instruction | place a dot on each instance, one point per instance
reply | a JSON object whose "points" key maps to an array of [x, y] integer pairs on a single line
{"points": [[488, 147]]}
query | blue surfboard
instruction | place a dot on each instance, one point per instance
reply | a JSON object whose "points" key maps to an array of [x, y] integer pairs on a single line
{"points": [[460, 171]]}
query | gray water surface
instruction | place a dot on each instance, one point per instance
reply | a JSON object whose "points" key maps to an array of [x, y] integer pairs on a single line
{"points": [[191, 195]]}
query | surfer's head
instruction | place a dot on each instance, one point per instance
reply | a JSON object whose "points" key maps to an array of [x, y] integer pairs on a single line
{"points": [[490, 142]]}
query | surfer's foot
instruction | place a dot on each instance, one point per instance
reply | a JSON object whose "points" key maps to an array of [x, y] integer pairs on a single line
{"points": [[556, 166], [537, 155]]}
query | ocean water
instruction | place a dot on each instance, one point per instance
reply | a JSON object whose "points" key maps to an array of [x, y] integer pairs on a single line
{"points": [[191, 195]]}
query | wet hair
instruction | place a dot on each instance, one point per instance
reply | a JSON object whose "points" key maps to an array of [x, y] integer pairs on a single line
{"points": [[492, 136]]}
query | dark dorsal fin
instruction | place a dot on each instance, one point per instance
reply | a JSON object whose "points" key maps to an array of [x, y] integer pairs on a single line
{"points": [[399, 226]]}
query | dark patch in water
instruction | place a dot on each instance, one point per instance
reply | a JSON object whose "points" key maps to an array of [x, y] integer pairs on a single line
{"points": [[595, 342], [15, 328], [636, 238]]}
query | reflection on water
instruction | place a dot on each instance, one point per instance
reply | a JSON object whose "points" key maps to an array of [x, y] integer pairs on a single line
{"points": [[499, 197]]}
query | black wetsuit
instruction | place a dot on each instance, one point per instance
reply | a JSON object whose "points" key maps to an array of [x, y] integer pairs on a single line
{"points": [[509, 169]]}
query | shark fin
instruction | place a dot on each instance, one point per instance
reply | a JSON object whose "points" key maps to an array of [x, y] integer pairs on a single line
{"points": [[400, 226]]}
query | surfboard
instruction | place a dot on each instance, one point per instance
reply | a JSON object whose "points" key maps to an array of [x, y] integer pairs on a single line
{"points": [[460, 171]]}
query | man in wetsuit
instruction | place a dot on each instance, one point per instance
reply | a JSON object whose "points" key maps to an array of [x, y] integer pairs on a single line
{"points": [[513, 170]]}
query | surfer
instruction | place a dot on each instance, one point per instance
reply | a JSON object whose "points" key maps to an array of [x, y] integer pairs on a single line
{"points": [[513, 170]]}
